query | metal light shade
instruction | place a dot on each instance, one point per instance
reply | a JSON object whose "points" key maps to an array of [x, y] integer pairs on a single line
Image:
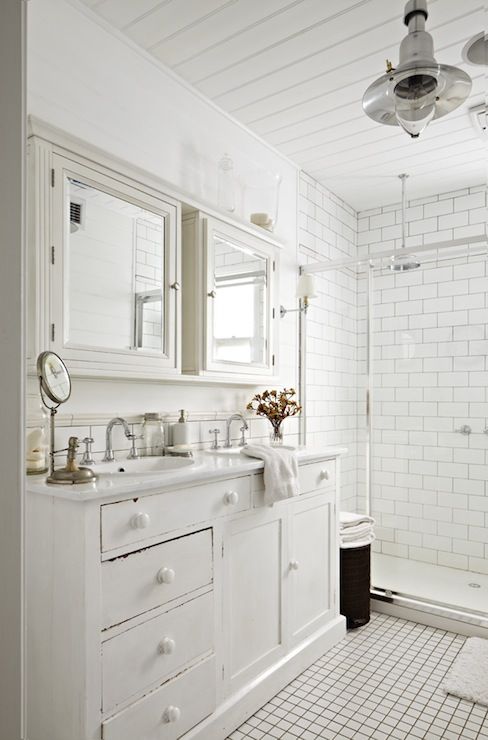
{"points": [[419, 89], [427, 93]]}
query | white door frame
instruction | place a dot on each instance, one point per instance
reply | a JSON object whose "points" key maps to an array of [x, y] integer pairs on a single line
{"points": [[12, 359]]}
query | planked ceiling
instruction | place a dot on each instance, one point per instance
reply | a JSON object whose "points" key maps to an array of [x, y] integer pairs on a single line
{"points": [[294, 71]]}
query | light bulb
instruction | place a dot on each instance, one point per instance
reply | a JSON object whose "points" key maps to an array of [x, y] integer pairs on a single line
{"points": [[415, 99]]}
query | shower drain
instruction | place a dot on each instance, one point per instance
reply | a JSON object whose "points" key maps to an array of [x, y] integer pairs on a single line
{"points": [[474, 585]]}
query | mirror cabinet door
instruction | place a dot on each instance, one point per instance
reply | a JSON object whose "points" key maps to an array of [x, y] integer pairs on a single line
{"points": [[117, 265], [239, 318]]}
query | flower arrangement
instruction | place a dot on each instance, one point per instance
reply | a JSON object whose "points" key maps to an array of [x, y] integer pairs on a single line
{"points": [[275, 406]]}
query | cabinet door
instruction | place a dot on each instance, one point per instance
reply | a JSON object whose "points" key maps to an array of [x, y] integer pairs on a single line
{"points": [[241, 316], [254, 566], [311, 565], [114, 272]]}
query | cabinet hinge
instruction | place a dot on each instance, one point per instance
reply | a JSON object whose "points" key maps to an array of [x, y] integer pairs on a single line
{"points": [[222, 672], [52, 177], [52, 255], [273, 313], [274, 265], [272, 360], [222, 549], [53, 332]]}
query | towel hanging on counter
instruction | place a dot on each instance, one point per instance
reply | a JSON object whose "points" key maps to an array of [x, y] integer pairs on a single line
{"points": [[280, 471]]}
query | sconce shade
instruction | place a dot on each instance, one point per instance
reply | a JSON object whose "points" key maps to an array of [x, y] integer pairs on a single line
{"points": [[306, 286]]}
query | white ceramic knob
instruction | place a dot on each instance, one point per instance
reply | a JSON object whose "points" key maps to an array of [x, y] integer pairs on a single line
{"points": [[231, 497], [166, 575], [324, 474], [172, 714], [167, 646], [294, 565], [140, 520]]}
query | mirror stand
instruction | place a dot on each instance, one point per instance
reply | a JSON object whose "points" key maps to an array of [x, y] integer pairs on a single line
{"points": [[55, 385]]}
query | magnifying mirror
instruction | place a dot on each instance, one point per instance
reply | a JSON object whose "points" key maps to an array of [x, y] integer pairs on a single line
{"points": [[54, 378], [55, 385]]}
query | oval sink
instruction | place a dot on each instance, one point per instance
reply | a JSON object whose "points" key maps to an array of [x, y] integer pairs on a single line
{"points": [[143, 466]]}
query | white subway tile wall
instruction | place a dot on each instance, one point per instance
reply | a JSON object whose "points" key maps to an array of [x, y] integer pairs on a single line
{"points": [[328, 231], [430, 378]]}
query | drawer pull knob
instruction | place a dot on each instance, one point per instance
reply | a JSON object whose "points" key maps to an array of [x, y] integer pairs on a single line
{"points": [[166, 575], [231, 497], [294, 565], [172, 714], [167, 646], [140, 520], [324, 474]]}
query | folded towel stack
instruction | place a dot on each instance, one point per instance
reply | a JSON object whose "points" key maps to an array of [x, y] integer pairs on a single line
{"points": [[355, 530]]}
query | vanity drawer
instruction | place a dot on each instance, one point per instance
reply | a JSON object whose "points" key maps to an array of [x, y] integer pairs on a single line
{"points": [[170, 711], [135, 583], [152, 651], [128, 522], [317, 476]]}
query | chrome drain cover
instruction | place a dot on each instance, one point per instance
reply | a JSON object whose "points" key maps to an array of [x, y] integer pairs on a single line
{"points": [[474, 585]]}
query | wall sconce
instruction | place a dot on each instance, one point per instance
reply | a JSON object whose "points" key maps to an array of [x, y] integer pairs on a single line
{"points": [[305, 291]]}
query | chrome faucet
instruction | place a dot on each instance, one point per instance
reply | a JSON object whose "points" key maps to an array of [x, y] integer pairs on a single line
{"points": [[244, 428], [109, 453]]}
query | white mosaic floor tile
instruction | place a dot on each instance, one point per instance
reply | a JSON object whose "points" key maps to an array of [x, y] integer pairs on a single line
{"points": [[382, 682]]}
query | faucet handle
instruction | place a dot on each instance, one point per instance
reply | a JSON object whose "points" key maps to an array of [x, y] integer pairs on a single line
{"points": [[87, 458], [242, 441], [133, 454], [215, 443]]}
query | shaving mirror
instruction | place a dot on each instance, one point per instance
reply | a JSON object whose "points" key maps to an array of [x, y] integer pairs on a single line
{"points": [[55, 386]]}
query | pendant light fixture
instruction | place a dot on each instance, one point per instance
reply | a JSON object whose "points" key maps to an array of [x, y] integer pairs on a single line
{"points": [[419, 89]]}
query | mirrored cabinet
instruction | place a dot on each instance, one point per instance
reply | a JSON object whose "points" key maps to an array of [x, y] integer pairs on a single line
{"points": [[127, 281], [229, 310], [110, 259]]}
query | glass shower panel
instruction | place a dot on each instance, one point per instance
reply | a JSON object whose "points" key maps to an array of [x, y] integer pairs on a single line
{"points": [[429, 444]]}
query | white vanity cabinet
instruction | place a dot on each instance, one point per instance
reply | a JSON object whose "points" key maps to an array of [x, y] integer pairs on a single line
{"points": [[175, 612], [230, 313]]}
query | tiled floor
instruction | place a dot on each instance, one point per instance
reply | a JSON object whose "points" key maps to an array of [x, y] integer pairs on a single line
{"points": [[382, 681]]}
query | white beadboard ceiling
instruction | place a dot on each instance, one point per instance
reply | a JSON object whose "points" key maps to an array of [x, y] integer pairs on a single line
{"points": [[294, 71]]}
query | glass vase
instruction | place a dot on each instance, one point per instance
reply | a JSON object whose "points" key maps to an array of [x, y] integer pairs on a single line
{"points": [[276, 436]]}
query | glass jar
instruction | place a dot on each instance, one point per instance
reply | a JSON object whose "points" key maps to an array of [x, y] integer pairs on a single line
{"points": [[152, 435]]}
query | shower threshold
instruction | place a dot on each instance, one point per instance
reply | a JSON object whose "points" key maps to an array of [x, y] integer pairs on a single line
{"points": [[435, 590]]}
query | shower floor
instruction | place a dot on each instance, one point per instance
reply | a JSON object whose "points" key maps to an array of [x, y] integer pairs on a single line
{"points": [[431, 583]]}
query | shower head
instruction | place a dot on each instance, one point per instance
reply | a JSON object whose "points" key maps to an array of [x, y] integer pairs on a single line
{"points": [[402, 262]]}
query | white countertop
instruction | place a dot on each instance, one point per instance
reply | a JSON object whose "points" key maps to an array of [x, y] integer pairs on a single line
{"points": [[207, 466]]}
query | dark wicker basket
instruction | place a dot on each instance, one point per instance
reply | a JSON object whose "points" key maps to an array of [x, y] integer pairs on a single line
{"points": [[355, 585]]}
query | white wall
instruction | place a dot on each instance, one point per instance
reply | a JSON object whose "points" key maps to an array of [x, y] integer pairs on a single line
{"points": [[12, 215], [95, 86]]}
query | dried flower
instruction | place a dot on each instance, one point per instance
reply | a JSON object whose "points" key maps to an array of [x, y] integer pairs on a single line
{"points": [[275, 405]]}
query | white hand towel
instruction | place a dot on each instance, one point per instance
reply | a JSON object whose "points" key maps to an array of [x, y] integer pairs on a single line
{"points": [[348, 519], [355, 533], [280, 471], [358, 543]]}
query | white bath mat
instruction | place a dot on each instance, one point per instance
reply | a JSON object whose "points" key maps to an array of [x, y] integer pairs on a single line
{"points": [[468, 676]]}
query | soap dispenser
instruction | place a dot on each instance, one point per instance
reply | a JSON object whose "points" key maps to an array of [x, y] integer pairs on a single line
{"points": [[181, 431]]}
